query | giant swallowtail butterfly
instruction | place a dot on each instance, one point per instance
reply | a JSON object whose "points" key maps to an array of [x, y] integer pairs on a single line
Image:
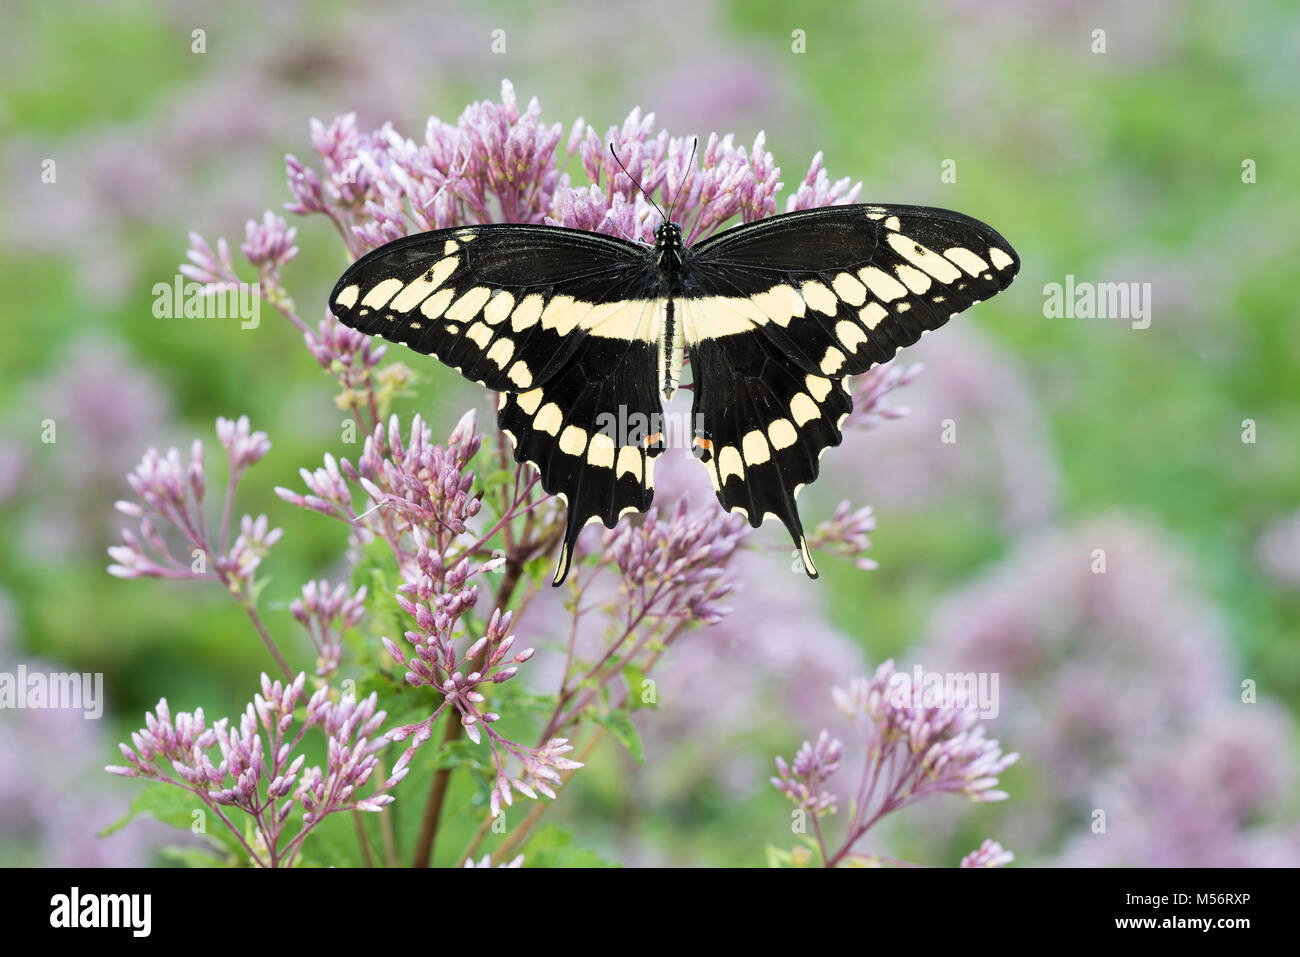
{"points": [[573, 328]]}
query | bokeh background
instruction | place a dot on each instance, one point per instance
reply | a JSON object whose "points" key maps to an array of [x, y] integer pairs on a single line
{"points": [[1122, 691]]}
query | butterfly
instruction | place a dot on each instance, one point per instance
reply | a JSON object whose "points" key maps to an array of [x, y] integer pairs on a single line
{"points": [[581, 333]]}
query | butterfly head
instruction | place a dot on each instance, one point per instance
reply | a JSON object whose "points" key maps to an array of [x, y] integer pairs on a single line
{"points": [[668, 236]]}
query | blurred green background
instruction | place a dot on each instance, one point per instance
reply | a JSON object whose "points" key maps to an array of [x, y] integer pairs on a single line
{"points": [[1122, 166]]}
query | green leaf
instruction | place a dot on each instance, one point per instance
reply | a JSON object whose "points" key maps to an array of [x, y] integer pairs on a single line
{"points": [[553, 847], [163, 802], [619, 724], [175, 806], [259, 586], [635, 678], [797, 857], [467, 756], [776, 857], [495, 479], [333, 842], [194, 857], [512, 698]]}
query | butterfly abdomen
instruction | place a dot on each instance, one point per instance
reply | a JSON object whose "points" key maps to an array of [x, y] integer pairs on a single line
{"points": [[670, 350]]}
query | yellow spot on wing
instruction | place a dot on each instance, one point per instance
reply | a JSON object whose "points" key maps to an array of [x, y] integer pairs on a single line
{"points": [[832, 360], [548, 419], [808, 565], [871, 314], [418, 289], [881, 284], [967, 260], [848, 288], [915, 280], [819, 297], [819, 387], [498, 309], [529, 401], [803, 408], [563, 313], [573, 441], [348, 297], [501, 352], [927, 259], [379, 294], [629, 460], [721, 316], [621, 320], [754, 448], [435, 305], [600, 452], [780, 304], [526, 313], [782, 434], [850, 334], [729, 464], [468, 305], [566, 557], [520, 374]]}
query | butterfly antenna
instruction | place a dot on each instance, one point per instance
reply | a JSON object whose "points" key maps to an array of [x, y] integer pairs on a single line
{"points": [[636, 182], [689, 165]]}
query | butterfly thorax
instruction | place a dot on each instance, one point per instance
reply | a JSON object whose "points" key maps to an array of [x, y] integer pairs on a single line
{"points": [[669, 251]]}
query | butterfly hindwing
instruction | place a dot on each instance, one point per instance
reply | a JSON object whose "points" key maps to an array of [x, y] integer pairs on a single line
{"points": [[589, 429], [765, 423], [780, 313]]}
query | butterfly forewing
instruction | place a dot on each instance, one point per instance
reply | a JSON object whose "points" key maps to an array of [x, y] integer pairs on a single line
{"points": [[504, 305], [843, 288]]}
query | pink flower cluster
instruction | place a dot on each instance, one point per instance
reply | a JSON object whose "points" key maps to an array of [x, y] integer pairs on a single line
{"points": [[255, 770], [912, 750]]}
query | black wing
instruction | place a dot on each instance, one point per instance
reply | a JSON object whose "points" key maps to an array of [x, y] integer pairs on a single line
{"points": [[560, 321], [780, 312]]}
